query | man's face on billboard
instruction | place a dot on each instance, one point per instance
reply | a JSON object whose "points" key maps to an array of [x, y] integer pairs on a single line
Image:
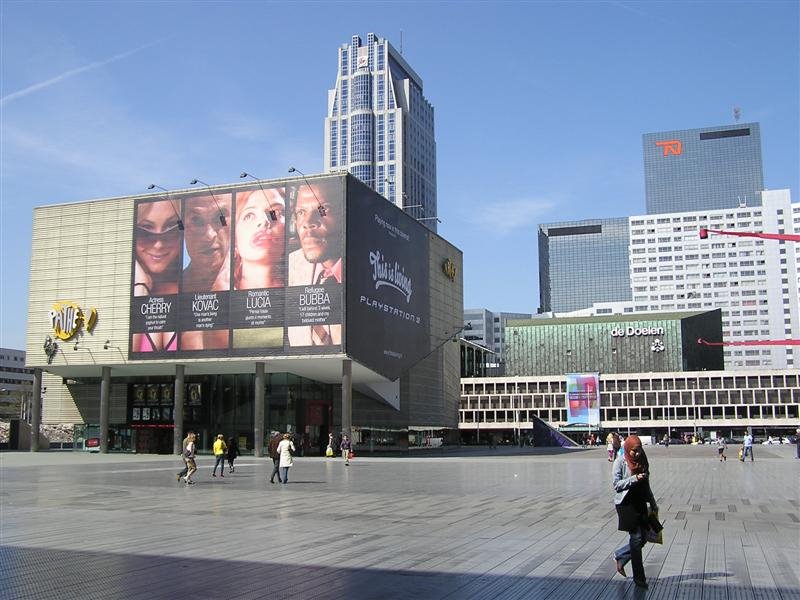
{"points": [[207, 241], [320, 237]]}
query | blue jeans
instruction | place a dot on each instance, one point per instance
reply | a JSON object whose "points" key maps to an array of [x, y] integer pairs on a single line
{"points": [[748, 451], [285, 473], [220, 461], [632, 553]]}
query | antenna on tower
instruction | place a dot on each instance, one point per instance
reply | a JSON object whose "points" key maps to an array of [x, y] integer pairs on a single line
{"points": [[737, 113], [401, 41]]}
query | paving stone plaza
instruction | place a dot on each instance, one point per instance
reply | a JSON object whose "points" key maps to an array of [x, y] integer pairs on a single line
{"points": [[468, 526]]}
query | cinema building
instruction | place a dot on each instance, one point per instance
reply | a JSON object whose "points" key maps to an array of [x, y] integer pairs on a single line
{"points": [[640, 372], [304, 305]]}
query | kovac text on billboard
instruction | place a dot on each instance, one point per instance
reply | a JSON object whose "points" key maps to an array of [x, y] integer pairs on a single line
{"points": [[239, 271]]}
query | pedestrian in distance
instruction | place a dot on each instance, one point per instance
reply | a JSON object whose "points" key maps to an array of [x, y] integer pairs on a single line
{"points": [[747, 446], [189, 453], [329, 450], [232, 453], [722, 448], [610, 446], [220, 448], [632, 493], [272, 449], [182, 472], [346, 447], [797, 441], [616, 444], [285, 450]]}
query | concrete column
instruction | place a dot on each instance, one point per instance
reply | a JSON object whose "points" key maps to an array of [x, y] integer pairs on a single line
{"points": [[347, 397], [177, 413], [36, 409], [105, 401], [258, 411]]}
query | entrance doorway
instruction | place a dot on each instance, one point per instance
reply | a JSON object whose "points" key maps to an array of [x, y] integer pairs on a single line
{"points": [[154, 440], [317, 426]]}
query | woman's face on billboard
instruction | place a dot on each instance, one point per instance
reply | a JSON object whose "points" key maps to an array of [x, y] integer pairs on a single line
{"points": [[258, 237], [158, 242]]}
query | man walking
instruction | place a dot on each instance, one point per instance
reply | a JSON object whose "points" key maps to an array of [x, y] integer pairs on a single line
{"points": [[275, 456], [346, 447], [182, 473], [748, 446]]}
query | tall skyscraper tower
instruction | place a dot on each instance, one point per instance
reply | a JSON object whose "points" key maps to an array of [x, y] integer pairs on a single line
{"points": [[380, 127], [699, 169]]}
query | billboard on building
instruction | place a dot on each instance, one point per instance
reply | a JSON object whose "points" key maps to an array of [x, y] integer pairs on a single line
{"points": [[583, 399], [388, 303], [239, 271]]}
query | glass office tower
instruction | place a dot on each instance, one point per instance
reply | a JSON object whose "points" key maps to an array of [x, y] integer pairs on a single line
{"points": [[380, 127], [583, 262], [706, 168]]}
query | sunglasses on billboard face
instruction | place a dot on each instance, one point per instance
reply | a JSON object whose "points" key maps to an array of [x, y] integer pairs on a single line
{"points": [[151, 237]]}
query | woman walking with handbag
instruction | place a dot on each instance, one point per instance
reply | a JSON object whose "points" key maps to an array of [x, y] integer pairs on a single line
{"points": [[285, 449], [631, 481]]}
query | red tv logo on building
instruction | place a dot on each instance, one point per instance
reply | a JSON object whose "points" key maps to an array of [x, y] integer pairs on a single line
{"points": [[671, 147]]}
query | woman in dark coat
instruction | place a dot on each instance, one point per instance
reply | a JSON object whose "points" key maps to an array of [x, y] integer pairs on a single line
{"points": [[631, 481], [233, 452]]}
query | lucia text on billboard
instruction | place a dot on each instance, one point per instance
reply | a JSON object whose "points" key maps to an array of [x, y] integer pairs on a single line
{"points": [[390, 274]]}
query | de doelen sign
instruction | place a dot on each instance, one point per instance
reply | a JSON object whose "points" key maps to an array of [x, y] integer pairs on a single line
{"points": [[636, 331]]}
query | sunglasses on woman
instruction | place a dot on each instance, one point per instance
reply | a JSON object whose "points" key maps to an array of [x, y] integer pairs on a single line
{"points": [[151, 237]]}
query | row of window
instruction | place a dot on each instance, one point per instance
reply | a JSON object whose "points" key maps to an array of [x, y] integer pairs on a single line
{"points": [[609, 415]]}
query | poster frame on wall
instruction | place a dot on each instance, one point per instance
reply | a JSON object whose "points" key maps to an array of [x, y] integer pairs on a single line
{"points": [[582, 399]]}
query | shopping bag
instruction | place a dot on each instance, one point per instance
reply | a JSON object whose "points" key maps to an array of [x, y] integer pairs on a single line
{"points": [[350, 455], [329, 452], [741, 454], [654, 530]]}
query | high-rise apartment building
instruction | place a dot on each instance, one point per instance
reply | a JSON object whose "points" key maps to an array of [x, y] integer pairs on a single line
{"points": [[488, 329], [583, 262], [706, 168], [754, 282], [380, 127]]}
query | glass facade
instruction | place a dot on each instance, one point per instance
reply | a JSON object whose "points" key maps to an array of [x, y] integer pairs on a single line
{"points": [[706, 168], [583, 262]]}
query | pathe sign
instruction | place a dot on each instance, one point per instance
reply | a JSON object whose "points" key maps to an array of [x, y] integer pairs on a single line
{"points": [[66, 319]]}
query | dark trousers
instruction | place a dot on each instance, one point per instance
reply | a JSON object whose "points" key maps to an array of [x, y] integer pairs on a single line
{"points": [[285, 471], [748, 451], [632, 552], [275, 471], [184, 471]]}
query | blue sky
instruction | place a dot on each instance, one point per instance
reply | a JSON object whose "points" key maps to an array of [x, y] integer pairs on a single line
{"points": [[540, 107]]}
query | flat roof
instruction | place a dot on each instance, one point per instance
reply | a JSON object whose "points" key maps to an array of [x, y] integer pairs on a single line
{"points": [[615, 318]]}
